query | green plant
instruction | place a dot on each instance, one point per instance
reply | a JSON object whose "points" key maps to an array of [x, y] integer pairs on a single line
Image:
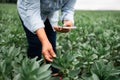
{"points": [[67, 64], [96, 37], [33, 70], [7, 59], [15, 66], [105, 70]]}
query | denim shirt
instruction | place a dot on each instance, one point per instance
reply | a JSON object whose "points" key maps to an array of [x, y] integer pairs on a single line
{"points": [[34, 12]]}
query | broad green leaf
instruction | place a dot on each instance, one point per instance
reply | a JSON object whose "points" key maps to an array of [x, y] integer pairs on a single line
{"points": [[74, 73], [55, 78], [17, 77], [44, 75], [66, 78], [44, 68], [95, 77], [57, 66], [11, 49]]}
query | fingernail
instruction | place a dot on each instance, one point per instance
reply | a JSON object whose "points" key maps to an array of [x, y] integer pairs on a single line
{"points": [[54, 56]]}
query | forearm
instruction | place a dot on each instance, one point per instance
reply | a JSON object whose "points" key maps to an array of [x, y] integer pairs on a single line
{"points": [[47, 49], [42, 36], [67, 11]]}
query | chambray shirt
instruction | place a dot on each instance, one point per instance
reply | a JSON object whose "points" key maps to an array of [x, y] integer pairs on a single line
{"points": [[34, 12]]}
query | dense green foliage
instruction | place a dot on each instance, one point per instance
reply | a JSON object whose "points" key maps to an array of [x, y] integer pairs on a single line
{"points": [[8, 1], [91, 52]]}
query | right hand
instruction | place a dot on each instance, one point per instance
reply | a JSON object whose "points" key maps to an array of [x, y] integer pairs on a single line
{"points": [[48, 51]]}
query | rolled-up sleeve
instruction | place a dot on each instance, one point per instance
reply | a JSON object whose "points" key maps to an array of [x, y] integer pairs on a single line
{"points": [[67, 12], [32, 17]]}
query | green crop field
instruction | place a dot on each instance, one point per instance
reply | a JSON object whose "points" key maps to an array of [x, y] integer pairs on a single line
{"points": [[90, 52]]}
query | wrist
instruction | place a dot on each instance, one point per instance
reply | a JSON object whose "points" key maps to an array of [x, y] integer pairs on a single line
{"points": [[45, 42]]}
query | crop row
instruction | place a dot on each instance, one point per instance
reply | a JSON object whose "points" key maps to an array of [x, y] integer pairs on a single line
{"points": [[91, 52]]}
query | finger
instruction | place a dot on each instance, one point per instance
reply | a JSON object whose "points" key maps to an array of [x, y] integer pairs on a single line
{"points": [[67, 23], [65, 30], [48, 57], [60, 29], [57, 28], [52, 53]]}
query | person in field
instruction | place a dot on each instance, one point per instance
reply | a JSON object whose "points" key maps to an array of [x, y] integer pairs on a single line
{"points": [[40, 21]]}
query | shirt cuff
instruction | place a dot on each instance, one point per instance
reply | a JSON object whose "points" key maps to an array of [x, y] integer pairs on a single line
{"points": [[36, 27], [66, 16], [54, 24]]}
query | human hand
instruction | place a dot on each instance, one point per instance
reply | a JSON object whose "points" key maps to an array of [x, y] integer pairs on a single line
{"points": [[66, 23], [47, 51]]}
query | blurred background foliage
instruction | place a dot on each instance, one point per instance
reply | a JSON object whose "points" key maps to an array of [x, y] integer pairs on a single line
{"points": [[8, 1]]}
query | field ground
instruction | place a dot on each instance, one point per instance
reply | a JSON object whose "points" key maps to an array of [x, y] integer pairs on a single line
{"points": [[97, 37]]}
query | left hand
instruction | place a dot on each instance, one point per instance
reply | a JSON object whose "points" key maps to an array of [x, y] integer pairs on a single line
{"points": [[66, 23]]}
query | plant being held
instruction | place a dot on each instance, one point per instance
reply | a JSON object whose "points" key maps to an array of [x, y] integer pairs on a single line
{"points": [[67, 66]]}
